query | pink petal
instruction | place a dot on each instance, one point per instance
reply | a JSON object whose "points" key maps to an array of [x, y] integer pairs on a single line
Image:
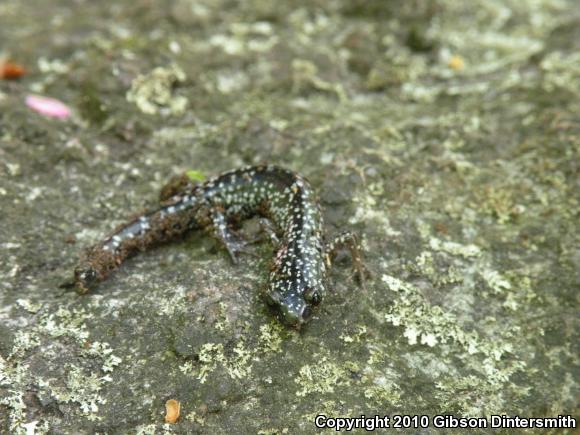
{"points": [[48, 106]]}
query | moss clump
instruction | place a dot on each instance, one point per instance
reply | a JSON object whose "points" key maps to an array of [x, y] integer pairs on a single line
{"points": [[153, 92]]}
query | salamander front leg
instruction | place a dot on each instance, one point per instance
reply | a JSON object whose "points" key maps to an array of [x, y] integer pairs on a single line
{"points": [[233, 243], [347, 240]]}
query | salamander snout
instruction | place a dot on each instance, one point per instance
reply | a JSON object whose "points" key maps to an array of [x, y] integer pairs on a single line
{"points": [[294, 309], [85, 278]]}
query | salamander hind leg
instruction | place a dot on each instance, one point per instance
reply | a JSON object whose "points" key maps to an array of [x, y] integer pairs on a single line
{"points": [[268, 231], [350, 241], [232, 241]]}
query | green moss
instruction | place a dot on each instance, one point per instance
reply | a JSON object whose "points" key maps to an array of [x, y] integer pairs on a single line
{"points": [[195, 175]]}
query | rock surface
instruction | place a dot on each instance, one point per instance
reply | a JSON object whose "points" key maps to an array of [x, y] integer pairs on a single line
{"points": [[445, 132]]}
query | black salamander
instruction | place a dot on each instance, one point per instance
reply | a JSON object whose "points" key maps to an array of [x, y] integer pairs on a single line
{"points": [[289, 212]]}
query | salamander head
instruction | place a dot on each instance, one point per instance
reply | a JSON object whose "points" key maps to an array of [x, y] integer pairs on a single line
{"points": [[294, 307], [86, 277]]}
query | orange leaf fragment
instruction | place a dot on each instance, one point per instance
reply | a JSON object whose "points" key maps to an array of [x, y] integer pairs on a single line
{"points": [[172, 409], [11, 71]]}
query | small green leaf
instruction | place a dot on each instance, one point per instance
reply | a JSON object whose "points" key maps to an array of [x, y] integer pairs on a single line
{"points": [[195, 175]]}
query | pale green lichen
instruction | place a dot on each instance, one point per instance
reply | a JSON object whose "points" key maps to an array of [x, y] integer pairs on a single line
{"points": [[335, 407], [170, 305], [193, 416], [79, 387], [469, 395], [432, 326], [221, 322], [305, 73], [238, 367], [23, 341], [561, 71], [454, 248], [66, 323], [82, 388], [521, 293], [31, 307], [273, 431], [499, 203], [185, 135], [210, 354], [13, 378], [154, 429], [271, 337], [149, 429], [383, 393], [379, 381], [495, 281], [357, 337], [321, 377], [425, 264], [245, 38], [153, 92], [239, 364], [103, 350]]}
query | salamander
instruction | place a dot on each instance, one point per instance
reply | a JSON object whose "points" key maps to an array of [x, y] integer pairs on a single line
{"points": [[290, 213]]}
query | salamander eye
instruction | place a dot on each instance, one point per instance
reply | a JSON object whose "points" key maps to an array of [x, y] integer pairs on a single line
{"points": [[85, 274], [85, 278], [313, 296]]}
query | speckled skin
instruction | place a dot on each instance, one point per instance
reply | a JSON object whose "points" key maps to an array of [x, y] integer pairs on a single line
{"points": [[298, 277]]}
